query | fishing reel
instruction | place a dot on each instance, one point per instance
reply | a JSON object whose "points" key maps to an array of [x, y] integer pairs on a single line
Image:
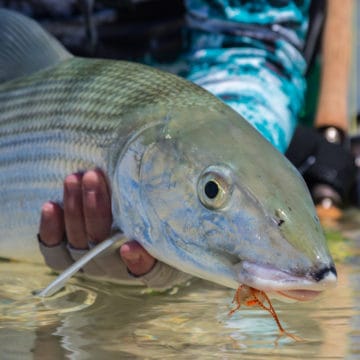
{"points": [[323, 157]]}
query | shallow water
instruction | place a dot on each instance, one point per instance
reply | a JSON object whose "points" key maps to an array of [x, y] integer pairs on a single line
{"points": [[90, 320]]}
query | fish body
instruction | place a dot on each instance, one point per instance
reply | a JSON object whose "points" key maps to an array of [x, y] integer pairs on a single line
{"points": [[190, 179]]}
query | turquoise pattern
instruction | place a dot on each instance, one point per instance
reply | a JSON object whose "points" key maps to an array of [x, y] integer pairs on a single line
{"points": [[248, 53]]}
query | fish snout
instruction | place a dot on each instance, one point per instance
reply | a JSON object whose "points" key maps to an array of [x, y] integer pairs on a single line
{"points": [[325, 274], [296, 285], [321, 278]]}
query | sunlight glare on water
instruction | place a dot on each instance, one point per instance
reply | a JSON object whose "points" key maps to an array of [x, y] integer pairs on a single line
{"points": [[100, 320]]}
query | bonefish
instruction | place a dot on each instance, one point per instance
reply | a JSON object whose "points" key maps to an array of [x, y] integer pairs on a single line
{"points": [[190, 179]]}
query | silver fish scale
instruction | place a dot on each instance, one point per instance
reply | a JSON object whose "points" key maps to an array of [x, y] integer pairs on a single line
{"points": [[86, 97], [119, 85], [64, 119]]}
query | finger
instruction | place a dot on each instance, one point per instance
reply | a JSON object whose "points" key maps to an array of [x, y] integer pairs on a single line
{"points": [[52, 228], [73, 212], [137, 259], [97, 206]]}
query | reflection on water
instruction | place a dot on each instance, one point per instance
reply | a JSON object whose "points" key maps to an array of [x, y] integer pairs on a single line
{"points": [[100, 320]]}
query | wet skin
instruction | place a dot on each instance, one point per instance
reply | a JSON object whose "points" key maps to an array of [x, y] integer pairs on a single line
{"points": [[86, 216]]}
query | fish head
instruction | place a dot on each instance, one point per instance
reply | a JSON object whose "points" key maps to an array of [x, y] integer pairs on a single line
{"points": [[223, 204]]}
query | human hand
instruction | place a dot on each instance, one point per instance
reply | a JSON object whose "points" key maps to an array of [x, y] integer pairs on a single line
{"points": [[86, 219]]}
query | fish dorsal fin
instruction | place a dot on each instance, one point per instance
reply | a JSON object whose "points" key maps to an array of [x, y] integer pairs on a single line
{"points": [[25, 47]]}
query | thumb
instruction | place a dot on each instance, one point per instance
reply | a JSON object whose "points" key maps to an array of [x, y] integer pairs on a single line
{"points": [[138, 261]]}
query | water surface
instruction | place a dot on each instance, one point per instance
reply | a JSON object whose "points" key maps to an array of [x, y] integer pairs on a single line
{"points": [[92, 320]]}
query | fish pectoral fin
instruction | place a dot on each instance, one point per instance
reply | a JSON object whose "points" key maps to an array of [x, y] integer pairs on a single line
{"points": [[61, 280], [25, 47]]}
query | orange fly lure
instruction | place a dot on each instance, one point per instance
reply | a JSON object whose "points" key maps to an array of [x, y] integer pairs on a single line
{"points": [[252, 297]]}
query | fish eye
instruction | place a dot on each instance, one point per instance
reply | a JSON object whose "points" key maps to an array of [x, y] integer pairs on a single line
{"points": [[215, 187], [211, 189]]}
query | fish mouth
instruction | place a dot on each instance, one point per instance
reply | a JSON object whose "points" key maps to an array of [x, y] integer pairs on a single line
{"points": [[285, 285], [299, 295]]}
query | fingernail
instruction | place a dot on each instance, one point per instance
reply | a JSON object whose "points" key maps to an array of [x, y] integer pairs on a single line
{"points": [[90, 196], [132, 259], [73, 182], [47, 210]]}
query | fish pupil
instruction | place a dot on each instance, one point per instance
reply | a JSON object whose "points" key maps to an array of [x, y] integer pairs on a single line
{"points": [[211, 189]]}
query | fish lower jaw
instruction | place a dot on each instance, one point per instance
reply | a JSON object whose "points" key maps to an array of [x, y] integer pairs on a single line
{"points": [[298, 295], [282, 284]]}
